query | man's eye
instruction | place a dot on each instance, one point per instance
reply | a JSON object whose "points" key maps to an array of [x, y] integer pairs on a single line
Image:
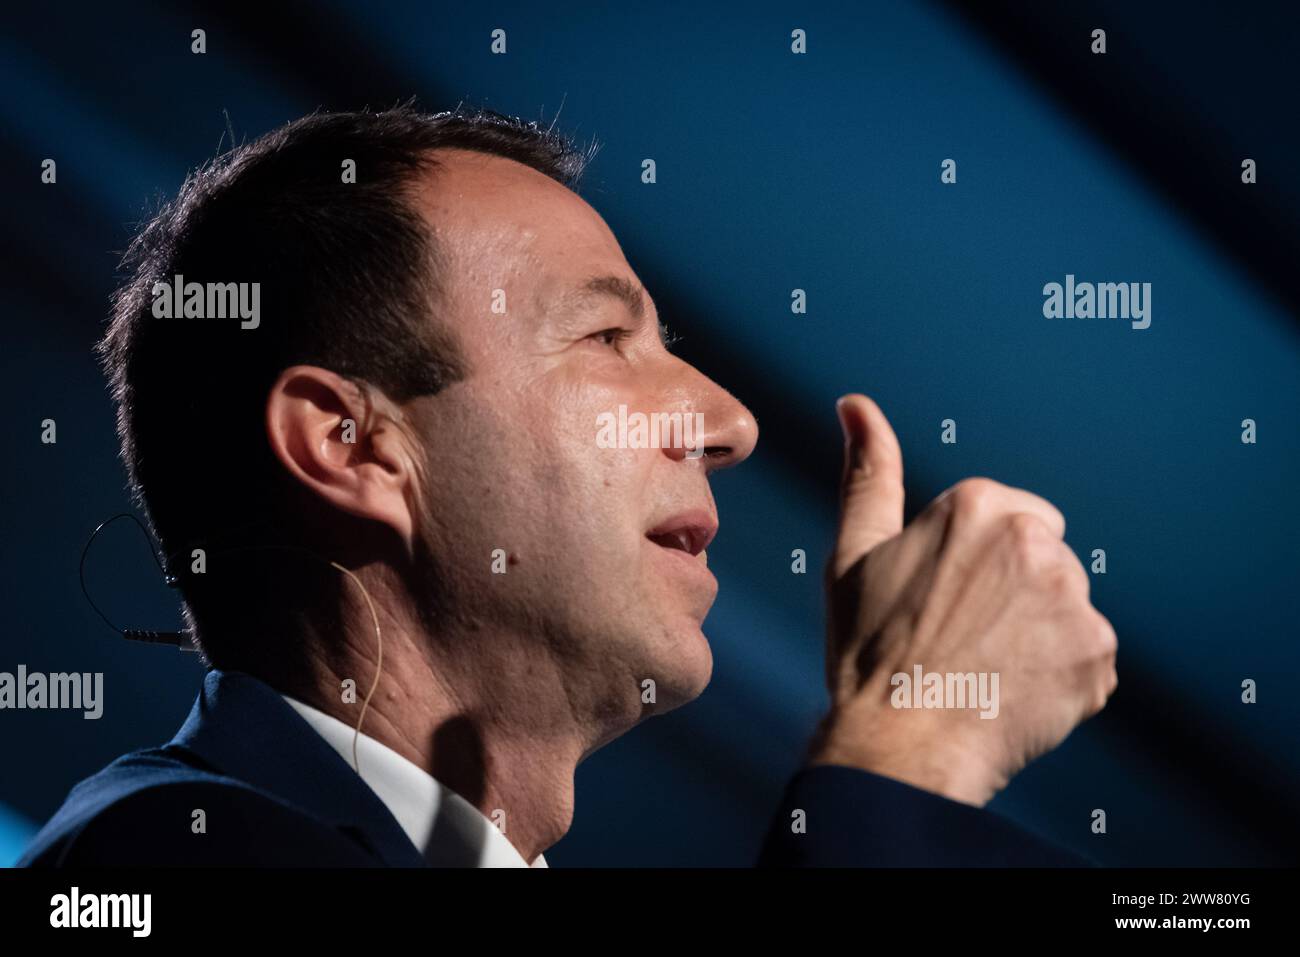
{"points": [[610, 337]]}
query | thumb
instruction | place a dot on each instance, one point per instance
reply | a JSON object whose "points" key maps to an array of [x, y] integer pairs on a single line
{"points": [[871, 489]]}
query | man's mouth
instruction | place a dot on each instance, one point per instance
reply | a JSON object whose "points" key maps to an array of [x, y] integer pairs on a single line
{"points": [[688, 532]]}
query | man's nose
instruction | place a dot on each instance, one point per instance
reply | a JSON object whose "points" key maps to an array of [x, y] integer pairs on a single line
{"points": [[727, 431]]}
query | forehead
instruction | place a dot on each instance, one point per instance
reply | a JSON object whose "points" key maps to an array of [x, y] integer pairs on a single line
{"points": [[507, 223]]}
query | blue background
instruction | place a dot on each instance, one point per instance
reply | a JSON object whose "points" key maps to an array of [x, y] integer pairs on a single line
{"points": [[775, 171]]}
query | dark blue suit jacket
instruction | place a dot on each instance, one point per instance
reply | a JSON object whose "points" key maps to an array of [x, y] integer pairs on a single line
{"points": [[274, 793]]}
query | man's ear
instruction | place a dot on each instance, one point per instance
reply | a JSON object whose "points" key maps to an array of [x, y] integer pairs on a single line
{"points": [[333, 440]]}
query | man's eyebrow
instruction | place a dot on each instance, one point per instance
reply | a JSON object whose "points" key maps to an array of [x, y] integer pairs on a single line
{"points": [[631, 294], [627, 292]]}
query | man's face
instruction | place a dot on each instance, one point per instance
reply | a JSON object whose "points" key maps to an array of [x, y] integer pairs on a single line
{"points": [[605, 578]]}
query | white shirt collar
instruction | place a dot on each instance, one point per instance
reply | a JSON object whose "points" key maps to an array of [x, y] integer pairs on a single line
{"points": [[449, 830]]}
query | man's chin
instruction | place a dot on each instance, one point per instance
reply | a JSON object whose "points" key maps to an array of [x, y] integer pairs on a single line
{"points": [[684, 672]]}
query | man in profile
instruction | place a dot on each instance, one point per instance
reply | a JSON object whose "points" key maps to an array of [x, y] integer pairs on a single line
{"points": [[425, 590]]}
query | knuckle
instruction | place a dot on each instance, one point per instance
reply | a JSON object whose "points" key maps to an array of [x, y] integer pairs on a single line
{"points": [[1105, 688], [1044, 507], [1060, 583], [972, 497], [1079, 573], [856, 481], [1098, 701], [1028, 527], [1027, 535], [1107, 642], [1068, 579], [1097, 641]]}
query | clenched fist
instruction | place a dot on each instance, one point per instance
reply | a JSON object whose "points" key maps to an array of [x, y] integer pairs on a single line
{"points": [[980, 583]]}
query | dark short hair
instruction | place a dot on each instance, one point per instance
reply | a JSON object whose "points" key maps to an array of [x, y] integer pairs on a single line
{"points": [[349, 276]]}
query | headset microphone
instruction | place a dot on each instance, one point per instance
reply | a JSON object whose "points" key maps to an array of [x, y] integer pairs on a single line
{"points": [[175, 638], [185, 643]]}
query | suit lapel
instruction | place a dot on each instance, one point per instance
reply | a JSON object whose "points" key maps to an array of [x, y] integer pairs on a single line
{"points": [[241, 726]]}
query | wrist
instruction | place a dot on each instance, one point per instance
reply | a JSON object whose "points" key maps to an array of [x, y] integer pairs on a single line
{"points": [[955, 772]]}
